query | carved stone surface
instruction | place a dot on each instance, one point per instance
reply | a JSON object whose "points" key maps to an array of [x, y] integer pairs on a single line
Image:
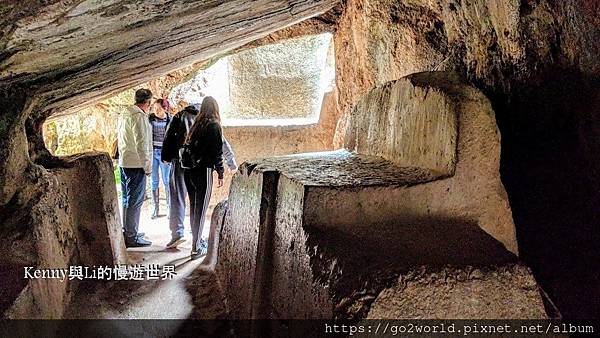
{"points": [[411, 126], [74, 223], [537, 62], [283, 80], [94, 210], [506, 292], [324, 234], [342, 168], [66, 54], [474, 192]]}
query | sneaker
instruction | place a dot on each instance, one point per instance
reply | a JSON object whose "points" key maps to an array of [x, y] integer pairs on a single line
{"points": [[195, 255], [137, 242], [139, 234], [175, 242], [201, 251]]}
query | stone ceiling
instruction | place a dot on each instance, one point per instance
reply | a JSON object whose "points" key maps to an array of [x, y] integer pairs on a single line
{"points": [[70, 52]]}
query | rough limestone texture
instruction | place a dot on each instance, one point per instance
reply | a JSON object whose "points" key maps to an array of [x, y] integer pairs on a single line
{"points": [[537, 62], [474, 193], [283, 80], [301, 266], [238, 258], [506, 292], [216, 224], [68, 227], [94, 210], [48, 242], [408, 125], [66, 54], [498, 43], [335, 229]]}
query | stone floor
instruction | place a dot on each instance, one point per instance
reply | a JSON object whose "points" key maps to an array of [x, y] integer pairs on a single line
{"points": [[149, 299]]}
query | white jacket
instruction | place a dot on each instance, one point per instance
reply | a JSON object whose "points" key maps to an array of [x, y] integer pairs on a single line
{"points": [[135, 139]]}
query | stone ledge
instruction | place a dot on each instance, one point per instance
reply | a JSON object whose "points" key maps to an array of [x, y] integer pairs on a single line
{"points": [[341, 168], [321, 235]]}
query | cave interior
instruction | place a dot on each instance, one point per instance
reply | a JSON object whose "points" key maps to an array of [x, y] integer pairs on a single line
{"points": [[456, 138]]}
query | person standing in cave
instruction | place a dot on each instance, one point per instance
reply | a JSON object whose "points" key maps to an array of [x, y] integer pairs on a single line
{"points": [[202, 153], [135, 163], [159, 119], [177, 132]]}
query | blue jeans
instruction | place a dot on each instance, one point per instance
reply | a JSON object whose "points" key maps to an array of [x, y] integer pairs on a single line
{"points": [[164, 168], [133, 187]]}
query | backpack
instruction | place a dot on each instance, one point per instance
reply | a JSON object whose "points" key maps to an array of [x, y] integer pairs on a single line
{"points": [[174, 137], [189, 159]]}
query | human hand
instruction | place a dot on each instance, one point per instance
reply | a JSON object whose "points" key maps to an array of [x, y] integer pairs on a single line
{"points": [[220, 183]]}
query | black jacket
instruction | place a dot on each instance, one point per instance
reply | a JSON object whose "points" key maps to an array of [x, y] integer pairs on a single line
{"points": [[208, 145], [176, 132]]}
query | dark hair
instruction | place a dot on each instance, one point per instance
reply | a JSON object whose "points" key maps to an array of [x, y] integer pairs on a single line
{"points": [[209, 112], [164, 103], [142, 96]]}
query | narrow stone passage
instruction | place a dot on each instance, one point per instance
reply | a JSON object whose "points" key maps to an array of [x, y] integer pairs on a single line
{"points": [[150, 299], [393, 160]]}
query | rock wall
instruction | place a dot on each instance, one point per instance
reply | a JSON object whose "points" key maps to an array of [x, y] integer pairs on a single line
{"points": [[497, 43], [408, 125], [472, 193], [334, 230], [537, 63], [64, 228], [88, 130], [284, 80]]}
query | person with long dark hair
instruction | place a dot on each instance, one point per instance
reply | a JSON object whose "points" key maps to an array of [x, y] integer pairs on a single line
{"points": [[205, 142], [175, 138]]}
